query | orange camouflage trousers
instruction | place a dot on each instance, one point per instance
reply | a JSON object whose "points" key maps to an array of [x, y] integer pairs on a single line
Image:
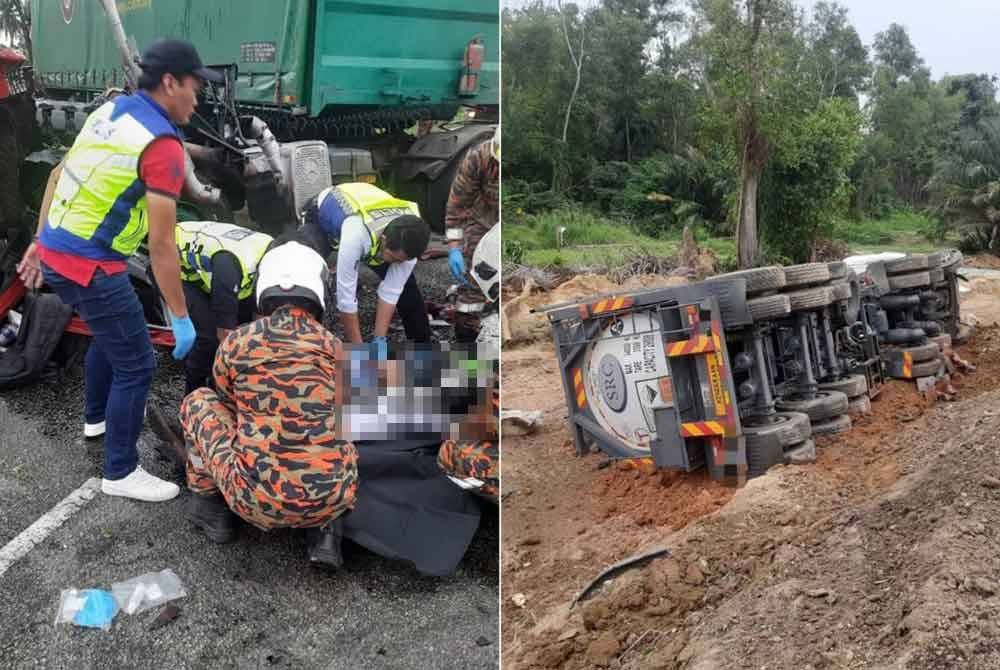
{"points": [[289, 488], [479, 460]]}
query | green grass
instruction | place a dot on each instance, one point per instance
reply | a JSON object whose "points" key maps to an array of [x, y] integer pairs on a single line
{"points": [[902, 231], [592, 240]]}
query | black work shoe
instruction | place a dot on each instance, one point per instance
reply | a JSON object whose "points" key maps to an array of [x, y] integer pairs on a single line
{"points": [[211, 514], [324, 544]]}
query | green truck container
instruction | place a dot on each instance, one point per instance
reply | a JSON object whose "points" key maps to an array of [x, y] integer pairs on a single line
{"points": [[307, 57]]}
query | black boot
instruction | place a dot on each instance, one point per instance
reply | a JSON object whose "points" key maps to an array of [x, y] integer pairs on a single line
{"points": [[324, 544], [211, 514]]}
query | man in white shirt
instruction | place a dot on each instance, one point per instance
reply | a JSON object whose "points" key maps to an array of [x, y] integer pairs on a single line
{"points": [[367, 226]]}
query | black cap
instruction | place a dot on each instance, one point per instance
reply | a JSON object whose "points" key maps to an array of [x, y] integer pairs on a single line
{"points": [[176, 57]]}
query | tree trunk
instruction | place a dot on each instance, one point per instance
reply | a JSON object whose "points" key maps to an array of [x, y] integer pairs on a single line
{"points": [[746, 226]]}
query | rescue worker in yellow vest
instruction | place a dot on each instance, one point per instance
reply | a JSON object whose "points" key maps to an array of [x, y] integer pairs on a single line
{"points": [[219, 268], [120, 181], [366, 225]]}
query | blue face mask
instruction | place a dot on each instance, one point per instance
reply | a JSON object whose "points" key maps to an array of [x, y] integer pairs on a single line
{"points": [[99, 610]]}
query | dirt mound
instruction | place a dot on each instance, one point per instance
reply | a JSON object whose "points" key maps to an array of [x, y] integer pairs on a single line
{"points": [[983, 261], [519, 325], [881, 554]]}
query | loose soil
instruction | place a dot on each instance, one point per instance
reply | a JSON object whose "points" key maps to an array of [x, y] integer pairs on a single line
{"points": [[882, 554]]}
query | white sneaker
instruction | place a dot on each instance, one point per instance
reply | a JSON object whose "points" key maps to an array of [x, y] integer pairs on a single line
{"points": [[140, 485], [93, 429]]}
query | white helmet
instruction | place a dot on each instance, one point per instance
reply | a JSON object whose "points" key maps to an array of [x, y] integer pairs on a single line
{"points": [[495, 144], [292, 269], [486, 264]]}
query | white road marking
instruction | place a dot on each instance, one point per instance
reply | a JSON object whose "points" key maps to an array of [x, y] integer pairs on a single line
{"points": [[33, 535]]}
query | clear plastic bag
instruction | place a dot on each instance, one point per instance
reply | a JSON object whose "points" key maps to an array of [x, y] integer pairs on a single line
{"points": [[90, 608], [147, 591]]}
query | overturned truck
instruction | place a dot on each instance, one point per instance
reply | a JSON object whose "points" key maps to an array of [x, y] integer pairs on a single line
{"points": [[739, 372]]}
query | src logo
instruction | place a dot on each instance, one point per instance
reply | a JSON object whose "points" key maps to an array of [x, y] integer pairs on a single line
{"points": [[67, 9]]}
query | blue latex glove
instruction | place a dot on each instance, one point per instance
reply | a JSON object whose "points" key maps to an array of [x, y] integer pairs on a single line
{"points": [[183, 335], [379, 348], [457, 264]]}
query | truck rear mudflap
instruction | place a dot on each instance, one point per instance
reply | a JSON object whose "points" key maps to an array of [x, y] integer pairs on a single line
{"points": [[647, 375]]}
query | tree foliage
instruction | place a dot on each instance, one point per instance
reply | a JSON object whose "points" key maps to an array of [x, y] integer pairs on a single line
{"points": [[737, 115]]}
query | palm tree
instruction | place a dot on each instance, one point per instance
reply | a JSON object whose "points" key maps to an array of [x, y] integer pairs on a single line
{"points": [[15, 23], [965, 187]]}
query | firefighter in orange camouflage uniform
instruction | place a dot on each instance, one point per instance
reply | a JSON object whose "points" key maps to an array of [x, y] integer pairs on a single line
{"points": [[473, 209], [264, 444]]}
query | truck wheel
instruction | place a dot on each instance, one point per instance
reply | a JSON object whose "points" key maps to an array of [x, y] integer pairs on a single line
{"points": [[936, 275], [809, 298], [838, 270], [911, 263], [769, 307], [824, 405], [853, 312], [759, 280], [859, 406], [852, 385], [930, 328], [914, 280], [802, 454], [806, 274], [838, 424], [926, 369], [951, 259], [840, 291], [904, 336], [921, 353], [934, 259], [763, 451], [10, 166], [790, 427]]}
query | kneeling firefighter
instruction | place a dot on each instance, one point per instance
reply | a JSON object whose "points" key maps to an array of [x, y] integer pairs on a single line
{"points": [[264, 443], [474, 463], [218, 271]]}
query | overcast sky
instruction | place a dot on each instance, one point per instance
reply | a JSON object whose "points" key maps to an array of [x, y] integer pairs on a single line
{"points": [[952, 36]]}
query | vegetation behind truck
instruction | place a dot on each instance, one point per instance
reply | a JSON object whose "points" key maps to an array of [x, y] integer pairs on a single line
{"points": [[350, 75]]}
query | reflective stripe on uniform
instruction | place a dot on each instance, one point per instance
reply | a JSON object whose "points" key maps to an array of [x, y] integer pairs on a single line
{"points": [[199, 241], [376, 208]]}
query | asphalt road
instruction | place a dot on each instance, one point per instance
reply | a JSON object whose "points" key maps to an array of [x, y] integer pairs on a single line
{"points": [[256, 603]]}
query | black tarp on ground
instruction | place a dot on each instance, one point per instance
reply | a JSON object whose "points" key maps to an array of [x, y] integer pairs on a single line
{"points": [[407, 509]]}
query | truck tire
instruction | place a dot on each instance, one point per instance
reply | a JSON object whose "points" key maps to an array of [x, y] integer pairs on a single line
{"points": [[899, 302], [759, 280], [914, 280], [951, 259], [802, 454], [926, 369], [852, 386], [833, 426], [922, 353], [838, 270], [769, 307], [824, 405], [806, 274], [930, 328], [934, 259], [905, 336], [936, 275], [11, 207], [907, 264], [790, 427], [943, 342], [809, 298], [840, 291], [859, 406]]}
